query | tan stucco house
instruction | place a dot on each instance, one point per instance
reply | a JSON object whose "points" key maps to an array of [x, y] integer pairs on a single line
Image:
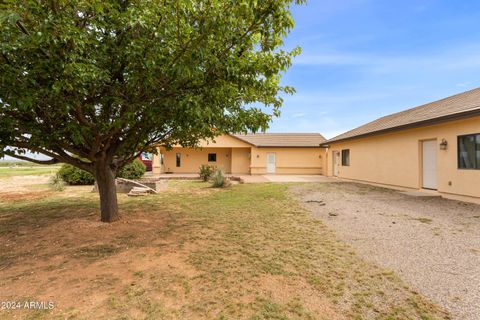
{"points": [[261, 153], [434, 146]]}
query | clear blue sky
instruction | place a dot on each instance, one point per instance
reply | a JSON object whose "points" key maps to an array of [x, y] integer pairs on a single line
{"points": [[362, 59]]}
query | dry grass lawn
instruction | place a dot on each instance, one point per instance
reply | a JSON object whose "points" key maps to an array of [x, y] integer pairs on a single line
{"points": [[192, 252]]}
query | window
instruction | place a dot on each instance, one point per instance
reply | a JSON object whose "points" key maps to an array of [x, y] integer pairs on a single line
{"points": [[212, 157], [469, 152], [346, 157], [179, 159]]}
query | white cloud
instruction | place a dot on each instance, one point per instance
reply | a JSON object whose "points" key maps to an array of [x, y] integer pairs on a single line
{"points": [[332, 59], [449, 59]]}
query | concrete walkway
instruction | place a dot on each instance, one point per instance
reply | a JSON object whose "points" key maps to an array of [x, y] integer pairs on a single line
{"points": [[285, 178], [251, 178]]}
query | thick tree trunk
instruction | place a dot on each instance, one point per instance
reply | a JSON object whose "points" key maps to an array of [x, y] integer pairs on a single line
{"points": [[105, 178]]}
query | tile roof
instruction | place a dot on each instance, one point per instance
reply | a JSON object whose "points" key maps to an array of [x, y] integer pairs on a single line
{"points": [[289, 140], [463, 103]]}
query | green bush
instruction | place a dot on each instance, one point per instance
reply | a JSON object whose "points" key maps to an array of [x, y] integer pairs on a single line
{"points": [[206, 171], [134, 170], [57, 183], [74, 176], [219, 180]]}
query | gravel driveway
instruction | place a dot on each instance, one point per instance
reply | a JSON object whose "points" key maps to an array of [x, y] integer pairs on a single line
{"points": [[433, 244]]}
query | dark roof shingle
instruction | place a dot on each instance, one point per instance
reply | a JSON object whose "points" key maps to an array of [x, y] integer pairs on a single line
{"points": [[291, 140], [442, 109]]}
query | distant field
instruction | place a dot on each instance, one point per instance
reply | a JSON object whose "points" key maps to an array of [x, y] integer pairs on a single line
{"points": [[19, 164], [6, 171]]}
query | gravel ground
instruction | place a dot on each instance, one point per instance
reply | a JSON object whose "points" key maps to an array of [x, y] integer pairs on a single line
{"points": [[433, 244]]}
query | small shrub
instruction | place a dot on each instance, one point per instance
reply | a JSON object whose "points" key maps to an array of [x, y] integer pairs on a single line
{"points": [[57, 183], [206, 171], [75, 176], [133, 170], [219, 180]]}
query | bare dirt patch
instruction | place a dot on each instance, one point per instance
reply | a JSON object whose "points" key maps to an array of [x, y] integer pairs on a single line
{"points": [[430, 243], [24, 196]]}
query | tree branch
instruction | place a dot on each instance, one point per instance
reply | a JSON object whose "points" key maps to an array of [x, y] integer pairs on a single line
{"points": [[14, 155], [6, 58], [25, 31], [60, 155]]}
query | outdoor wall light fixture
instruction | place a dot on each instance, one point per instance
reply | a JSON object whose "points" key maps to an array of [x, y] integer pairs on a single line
{"points": [[443, 144]]}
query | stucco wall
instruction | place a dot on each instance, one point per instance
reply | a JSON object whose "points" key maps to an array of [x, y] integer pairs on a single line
{"points": [[192, 159], [289, 160], [224, 141], [241, 160], [395, 158], [237, 157]]}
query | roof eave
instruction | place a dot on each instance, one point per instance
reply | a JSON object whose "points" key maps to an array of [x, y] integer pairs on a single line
{"points": [[452, 117], [238, 138]]}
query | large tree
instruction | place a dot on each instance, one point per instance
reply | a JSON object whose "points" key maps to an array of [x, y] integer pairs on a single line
{"points": [[93, 83]]}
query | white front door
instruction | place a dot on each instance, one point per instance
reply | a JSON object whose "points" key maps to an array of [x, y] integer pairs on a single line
{"points": [[336, 163], [271, 162], [429, 165]]}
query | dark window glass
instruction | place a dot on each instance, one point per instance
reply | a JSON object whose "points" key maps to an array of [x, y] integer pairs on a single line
{"points": [[469, 152], [478, 150], [346, 157], [179, 158], [212, 157]]}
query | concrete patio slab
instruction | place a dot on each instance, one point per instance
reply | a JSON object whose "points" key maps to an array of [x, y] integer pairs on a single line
{"points": [[298, 178], [250, 178], [422, 193], [285, 178]]}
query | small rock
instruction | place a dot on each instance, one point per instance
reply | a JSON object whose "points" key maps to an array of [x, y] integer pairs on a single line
{"points": [[333, 214]]}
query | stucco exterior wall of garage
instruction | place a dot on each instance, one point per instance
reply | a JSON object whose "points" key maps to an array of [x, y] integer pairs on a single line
{"points": [[289, 160], [395, 159]]}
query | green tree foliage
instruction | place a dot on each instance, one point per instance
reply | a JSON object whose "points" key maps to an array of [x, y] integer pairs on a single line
{"points": [[93, 83]]}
